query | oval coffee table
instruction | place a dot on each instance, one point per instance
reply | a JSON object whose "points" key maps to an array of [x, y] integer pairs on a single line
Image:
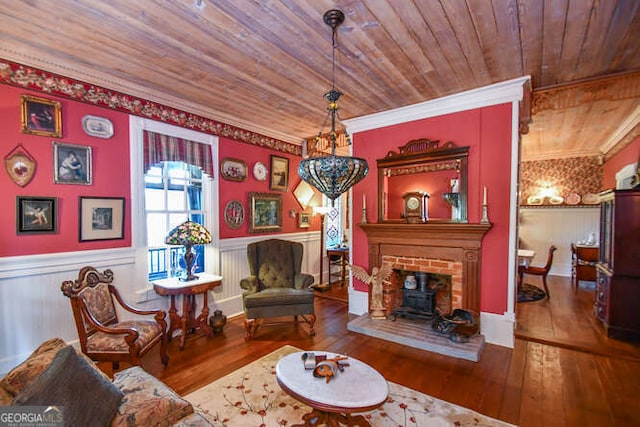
{"points": [[358, 388]]}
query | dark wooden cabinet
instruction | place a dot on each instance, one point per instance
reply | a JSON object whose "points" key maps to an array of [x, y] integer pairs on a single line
{"points": [[617, 299]]}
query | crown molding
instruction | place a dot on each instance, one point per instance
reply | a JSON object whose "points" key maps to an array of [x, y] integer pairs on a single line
{"points": [[628, 130], [223, 125], [498, 93]]}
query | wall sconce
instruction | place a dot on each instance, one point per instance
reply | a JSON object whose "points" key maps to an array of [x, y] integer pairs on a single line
{"points": [[546, 191]]}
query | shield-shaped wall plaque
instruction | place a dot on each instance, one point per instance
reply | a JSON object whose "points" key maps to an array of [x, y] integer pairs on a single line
{"points": [[20, 166]]}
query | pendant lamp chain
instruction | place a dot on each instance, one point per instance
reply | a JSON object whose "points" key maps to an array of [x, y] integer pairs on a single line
{"points": [[333, 175]]}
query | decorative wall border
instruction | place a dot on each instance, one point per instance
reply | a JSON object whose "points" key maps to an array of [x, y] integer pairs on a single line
{"points": [[15, 74], [616, 87]]}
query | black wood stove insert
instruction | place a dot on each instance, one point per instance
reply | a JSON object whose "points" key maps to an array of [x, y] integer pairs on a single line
{"points": [[416, 303]]}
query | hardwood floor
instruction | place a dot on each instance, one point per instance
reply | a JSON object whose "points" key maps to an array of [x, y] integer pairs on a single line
{"points": [[567, 320], [335, 292], [536, 383]]}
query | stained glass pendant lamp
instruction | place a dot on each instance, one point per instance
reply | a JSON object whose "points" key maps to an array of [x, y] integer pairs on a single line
{"points": [[188, 234], [333, 175]]}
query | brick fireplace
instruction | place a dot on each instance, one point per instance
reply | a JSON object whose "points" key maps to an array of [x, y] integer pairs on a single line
{"points": [[441, 248], [443, 273]]}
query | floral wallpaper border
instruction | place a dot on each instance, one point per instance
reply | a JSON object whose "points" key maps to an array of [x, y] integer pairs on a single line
{"points": [[35, 79], [580, 176]]}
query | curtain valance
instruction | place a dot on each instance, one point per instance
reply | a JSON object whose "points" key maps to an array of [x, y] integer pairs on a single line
{"points": [[163, 148]]}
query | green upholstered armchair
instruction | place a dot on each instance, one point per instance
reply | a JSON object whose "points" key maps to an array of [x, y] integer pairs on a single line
{"points": [[276, 288]]}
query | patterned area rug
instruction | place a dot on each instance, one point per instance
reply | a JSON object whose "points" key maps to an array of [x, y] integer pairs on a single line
{"points": [[528, 293], [252, 397]]}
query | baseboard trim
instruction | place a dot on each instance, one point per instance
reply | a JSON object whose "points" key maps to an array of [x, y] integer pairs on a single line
{"points": [[358, 302], [498, 329]]}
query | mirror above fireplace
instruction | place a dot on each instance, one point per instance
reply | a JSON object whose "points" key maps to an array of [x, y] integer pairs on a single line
{"points": [[421, 166]]}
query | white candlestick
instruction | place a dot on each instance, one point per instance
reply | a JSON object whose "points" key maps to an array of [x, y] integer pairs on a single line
{"points": [[364, 201], [484, 199]]}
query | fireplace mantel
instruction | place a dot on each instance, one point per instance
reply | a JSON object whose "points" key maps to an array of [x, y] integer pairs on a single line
{"points": [[437, 240]]}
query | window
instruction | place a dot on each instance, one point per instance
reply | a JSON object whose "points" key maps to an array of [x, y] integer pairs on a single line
{"points": [[333, 221], [173, 194], [142, 160]]}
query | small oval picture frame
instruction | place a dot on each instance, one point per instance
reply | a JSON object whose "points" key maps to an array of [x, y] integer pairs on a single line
{"points": [[234, 214], [100, 127]]}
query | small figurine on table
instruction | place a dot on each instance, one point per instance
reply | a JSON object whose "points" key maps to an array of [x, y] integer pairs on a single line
{"points": [[328, 368]]}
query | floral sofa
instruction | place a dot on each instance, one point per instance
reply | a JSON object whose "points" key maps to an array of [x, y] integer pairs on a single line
{"points": [[56, 375]]}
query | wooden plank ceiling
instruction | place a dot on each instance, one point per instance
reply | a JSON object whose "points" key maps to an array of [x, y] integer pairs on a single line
{"points": [[264, 65]]}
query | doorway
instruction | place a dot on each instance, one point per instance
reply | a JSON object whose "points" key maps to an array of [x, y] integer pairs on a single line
{"points": [[566, 319]]}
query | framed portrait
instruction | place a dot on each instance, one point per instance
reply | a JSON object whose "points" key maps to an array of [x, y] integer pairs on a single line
{"points": [[101, 218], [265, 212], [71, 164], [36, 215], [279, 173], [233, 170], [41, 116], [304, 220]]}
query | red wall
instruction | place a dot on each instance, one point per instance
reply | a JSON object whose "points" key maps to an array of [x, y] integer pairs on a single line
{"points": [[110, 162], [111, 178], [233, 190], [629, 154], [487, 132]]}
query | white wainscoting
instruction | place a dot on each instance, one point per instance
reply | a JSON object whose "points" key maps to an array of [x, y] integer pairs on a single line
{"points": [[234, 267], [33, 309], [543, 227]]}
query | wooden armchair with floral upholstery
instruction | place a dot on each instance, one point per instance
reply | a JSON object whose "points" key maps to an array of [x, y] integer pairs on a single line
{"points": [[103, 337]]}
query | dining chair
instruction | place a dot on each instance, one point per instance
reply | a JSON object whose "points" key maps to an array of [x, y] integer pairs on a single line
{"points": [[583, 264], [539, 271]]}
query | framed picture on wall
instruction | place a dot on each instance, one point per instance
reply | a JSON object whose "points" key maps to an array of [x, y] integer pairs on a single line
{"points": [[279, 173], [233, 170], [234, 214], [40, 116], [265, 212], [36, 215], [101, 218], [304, 220], [71, 164]]}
